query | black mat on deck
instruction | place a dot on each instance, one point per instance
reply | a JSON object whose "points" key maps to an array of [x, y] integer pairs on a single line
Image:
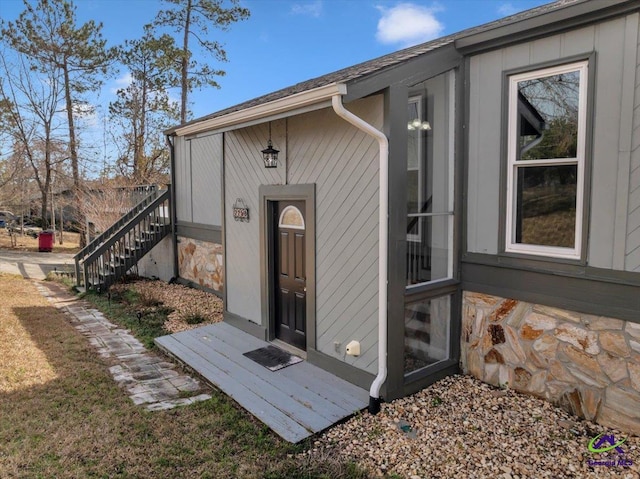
{"points": [[272, 358]]}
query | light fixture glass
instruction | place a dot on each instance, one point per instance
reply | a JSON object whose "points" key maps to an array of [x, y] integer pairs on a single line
{"points": [[416, 124], [270, 154]]}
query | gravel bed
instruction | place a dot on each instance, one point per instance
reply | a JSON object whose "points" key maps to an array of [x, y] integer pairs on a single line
{"points": [[463, 428], [191, 308]]}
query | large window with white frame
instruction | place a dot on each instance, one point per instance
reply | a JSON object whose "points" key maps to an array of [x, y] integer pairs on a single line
{"points": [[546, 161]]}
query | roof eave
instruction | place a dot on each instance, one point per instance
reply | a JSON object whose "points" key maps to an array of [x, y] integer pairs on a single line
{"points": [[570, 16], [281, 107]]}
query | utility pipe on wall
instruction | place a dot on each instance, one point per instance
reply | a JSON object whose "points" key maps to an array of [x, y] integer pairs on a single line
{"points": [[383, 227]]}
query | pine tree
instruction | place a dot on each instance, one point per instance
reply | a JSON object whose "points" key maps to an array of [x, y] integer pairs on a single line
{"points": [[48, 34], [143, 108], [193, 18]]}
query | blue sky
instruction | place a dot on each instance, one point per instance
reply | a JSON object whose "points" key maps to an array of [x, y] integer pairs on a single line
{"points": [[288, 41]]}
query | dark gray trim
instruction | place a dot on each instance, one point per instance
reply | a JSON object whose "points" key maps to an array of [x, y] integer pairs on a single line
{"points": [[576, 288], [464, 172], [460, 165], [545, 24], [336, 367], [423, 377], [223, 219], [398, 295], [271, 193], [432, 290], [418, 383], [409, 72], [191, 284], [590, 57], [173, 212], [245, 325], [197, 231], [395, 109]]}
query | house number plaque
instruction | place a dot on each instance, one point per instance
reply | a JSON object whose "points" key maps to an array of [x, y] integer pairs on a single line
{"points": [[240, 211]]}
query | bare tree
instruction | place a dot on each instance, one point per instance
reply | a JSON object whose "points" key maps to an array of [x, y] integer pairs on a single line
{"points": [[33, 119], [48, 35]]}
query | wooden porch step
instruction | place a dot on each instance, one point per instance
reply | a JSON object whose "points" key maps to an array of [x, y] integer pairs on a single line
{"points": [[296, 402]]}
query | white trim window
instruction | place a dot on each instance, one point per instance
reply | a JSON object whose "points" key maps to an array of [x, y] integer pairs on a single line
{"points": [[546, 161]]}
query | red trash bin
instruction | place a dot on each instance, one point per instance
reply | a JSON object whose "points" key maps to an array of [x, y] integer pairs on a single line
{"points": [[45, 241]]}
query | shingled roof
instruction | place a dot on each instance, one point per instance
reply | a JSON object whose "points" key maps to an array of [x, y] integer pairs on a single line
{"points": [[379, 64]]}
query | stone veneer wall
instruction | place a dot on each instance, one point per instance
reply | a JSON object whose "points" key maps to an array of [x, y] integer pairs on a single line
{"points": [[201, 262], [587, 364]]}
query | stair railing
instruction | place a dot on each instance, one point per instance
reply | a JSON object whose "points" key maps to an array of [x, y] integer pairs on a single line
{"points": [[111, 255]]}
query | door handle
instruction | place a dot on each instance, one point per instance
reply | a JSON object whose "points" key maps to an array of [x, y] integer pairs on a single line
{"points": [[305, 289]]}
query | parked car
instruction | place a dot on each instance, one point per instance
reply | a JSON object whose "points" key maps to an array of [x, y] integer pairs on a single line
{"points": [[5, 218], [29, 229]]}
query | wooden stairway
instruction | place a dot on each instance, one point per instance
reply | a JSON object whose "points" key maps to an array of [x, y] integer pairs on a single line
{"points": [[113, 253]]}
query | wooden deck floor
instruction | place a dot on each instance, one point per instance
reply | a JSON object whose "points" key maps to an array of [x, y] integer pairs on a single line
{"points": [[295, 402]]}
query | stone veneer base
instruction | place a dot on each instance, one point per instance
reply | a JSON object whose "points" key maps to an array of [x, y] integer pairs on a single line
{"points": [[201, 262], [590, 365]]}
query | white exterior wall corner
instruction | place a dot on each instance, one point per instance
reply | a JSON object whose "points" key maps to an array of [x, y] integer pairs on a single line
{"points": [[316, 147], [614, 42]]}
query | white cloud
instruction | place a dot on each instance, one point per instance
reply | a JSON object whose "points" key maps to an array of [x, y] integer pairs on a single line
{"points": [[312, 9], [408, 24], [507, 9], [121, 82]]}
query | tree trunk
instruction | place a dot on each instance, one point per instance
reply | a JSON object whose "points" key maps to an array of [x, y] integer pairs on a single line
{"points": [[185, 65], [73, 150]]}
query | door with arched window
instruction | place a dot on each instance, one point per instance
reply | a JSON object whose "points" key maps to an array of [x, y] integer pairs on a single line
{"points": [[290, 273]]}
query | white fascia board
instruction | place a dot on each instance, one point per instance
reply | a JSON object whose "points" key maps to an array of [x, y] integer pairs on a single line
{"points": [[290, 104]]}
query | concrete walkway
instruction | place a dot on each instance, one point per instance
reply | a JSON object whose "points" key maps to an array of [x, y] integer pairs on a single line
{"points": [[148, 378]]}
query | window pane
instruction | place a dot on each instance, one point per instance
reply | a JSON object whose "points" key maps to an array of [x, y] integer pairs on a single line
{"points": [[291, 217], [546, 205], [414, 154], [548, 117], [429, 248], [426, 333]]}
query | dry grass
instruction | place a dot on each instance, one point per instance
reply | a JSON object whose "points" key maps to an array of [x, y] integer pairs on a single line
{"points": [[64, 417], [27, 366], [70, 244], [553, 229]]}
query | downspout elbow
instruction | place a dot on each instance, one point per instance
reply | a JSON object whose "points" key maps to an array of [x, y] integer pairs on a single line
{"points": [[383, 227]]}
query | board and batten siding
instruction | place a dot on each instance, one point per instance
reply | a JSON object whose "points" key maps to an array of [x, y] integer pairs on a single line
{"points": [[343, 162], [198, 174], [316, 147], [615, 176]]}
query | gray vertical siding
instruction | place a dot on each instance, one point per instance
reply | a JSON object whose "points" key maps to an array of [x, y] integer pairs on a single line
{"points": [[198, 164], [612, 195], [183, 179], [343, 163], [632, 256], [244, 172], [206, 163]]}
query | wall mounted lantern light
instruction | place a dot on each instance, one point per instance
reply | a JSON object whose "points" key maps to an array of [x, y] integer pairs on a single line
{"points": [[270, 154], [416, 124]]}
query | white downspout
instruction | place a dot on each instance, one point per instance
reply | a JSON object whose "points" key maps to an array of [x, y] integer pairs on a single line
{"points": [[383, 227]]}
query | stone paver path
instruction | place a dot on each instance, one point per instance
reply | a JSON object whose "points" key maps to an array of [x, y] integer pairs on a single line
{"points": [[149, 379]]}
